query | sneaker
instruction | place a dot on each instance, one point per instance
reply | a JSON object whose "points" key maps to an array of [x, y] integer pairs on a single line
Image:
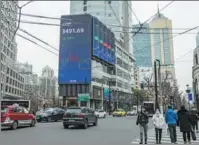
{"points": [[141, 142]]}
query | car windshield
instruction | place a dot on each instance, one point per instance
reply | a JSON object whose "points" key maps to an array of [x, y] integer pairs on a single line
{"points": [[73, 110], [4, 109]]}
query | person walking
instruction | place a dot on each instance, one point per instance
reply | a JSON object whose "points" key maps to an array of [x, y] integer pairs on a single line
{"points": [[158, 121], [142, 121], [171, 120], [184, 121], [194, 119]]}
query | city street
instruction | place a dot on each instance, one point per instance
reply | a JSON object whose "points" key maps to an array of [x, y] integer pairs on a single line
{"points": [[110, 131]]}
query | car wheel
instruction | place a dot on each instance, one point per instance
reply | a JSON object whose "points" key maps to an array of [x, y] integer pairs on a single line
{"points": [[97, 116], [38, 120], [49, 119], [65, 126], [113, 115], [33, 123], [14, 125], [85, 124], [95, 123], [104, 116]]}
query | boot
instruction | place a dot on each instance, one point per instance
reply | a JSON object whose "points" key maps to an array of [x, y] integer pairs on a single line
{"points": [[145, 141]]}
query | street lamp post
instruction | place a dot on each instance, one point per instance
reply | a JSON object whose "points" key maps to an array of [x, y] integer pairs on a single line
{"points": [[188, 91], [156, 86]]}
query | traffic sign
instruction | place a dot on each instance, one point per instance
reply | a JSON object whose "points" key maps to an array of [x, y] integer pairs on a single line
{"points": [[83, 97]]}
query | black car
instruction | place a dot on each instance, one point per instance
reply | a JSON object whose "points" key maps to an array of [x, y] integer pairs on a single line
{"points": [[52, 114], [79, 116]]}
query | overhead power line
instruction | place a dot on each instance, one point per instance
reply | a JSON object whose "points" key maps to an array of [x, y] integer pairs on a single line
{"points": [[36, 44], [24, 31], [152, 17], [184, 32]]}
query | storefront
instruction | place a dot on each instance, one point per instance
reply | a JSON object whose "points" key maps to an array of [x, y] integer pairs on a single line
{"points": [[83, 100]]}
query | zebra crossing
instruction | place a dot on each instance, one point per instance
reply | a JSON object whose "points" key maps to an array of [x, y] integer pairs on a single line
{"points": [[165, 137]]}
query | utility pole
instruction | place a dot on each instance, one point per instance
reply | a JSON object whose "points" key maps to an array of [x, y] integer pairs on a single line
{"points": [[137, 101], [0, 61], [156, 87], [109, 96]]}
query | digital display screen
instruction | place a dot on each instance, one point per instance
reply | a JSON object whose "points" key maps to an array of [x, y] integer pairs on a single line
{"points": [[103, 42], [75, 49]]}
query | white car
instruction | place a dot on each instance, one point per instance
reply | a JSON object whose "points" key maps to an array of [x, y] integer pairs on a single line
{"points": [[100, 113], [131, 113]]}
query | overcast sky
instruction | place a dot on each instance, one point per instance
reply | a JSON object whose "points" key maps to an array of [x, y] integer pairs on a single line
{"points": [[183, 15]]}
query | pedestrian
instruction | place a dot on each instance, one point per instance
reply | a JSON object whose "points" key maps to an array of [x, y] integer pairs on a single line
{"points": [[142, 121], [194, 119], [158, 121], [184, 119], [171, 120]]}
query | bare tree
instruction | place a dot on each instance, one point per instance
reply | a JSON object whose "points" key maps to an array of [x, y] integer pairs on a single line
{"points": [[167, 90]]}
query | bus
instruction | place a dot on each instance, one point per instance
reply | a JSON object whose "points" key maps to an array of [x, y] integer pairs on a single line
{"points": [[150, 107], [23, 103]]}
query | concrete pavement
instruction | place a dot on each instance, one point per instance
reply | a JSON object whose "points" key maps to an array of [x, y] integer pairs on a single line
{"points": [[110, 131]]}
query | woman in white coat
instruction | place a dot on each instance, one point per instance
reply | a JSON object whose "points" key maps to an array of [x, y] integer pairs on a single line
{"points": [[159, 122]]}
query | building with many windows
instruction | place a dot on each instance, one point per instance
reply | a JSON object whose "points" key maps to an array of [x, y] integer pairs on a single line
{"points": [[161, 46], [142, 46], [116, 15], [48, 83], [12, 81], [120, 79], [31, 81]]}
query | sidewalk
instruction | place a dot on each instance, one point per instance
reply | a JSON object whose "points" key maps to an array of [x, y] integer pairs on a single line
{"points": [[165, 138]]}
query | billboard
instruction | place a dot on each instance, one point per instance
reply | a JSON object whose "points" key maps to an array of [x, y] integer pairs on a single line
{"points": [[75, 49], [103, 42]]}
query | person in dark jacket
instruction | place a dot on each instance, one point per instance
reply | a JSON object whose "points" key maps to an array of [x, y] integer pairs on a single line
{"points": [[171, 119], [184, 121], [142, 121], [194, 119]]}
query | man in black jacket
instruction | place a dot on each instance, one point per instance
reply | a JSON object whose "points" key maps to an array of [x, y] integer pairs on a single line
{"points": [[142, 121], [194, 119], [184, 120]]}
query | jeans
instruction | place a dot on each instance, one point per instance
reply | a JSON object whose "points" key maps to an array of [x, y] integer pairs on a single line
{"points": [[158, 133], [186, 135], [172, 131], [143, 130]]}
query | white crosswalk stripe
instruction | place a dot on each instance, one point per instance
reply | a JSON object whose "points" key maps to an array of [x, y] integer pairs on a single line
{"points": [[165, 138]]}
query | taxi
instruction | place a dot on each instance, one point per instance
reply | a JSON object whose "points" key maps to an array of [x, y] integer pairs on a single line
{"points": [[119, 112]]}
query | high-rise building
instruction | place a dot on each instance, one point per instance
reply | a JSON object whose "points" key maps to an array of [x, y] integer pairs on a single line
{"points": [[31, 81], [116, 15], [12, 81], [48, 83], [142, 46], [161, 46]]}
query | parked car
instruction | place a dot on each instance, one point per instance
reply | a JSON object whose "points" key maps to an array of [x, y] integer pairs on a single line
{"points": [[51, 114], [119, 112], [79, 116], [131, 113], [16, 116], [100, 113]]}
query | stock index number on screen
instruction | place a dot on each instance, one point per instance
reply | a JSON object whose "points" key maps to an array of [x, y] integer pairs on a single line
{"points": [[72, 30]]}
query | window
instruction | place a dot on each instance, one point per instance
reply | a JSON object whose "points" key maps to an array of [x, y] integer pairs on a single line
{"points": [[85, 2], [26, 111], [85, 8]]}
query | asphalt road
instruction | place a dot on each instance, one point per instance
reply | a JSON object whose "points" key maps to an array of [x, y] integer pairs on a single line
{"points": [[110, 131]]}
